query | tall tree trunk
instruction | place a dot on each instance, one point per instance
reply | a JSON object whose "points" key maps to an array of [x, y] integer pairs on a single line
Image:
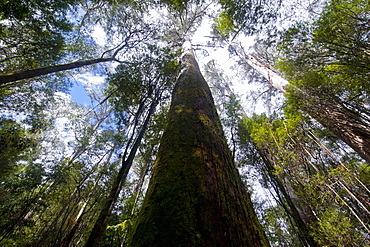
{"points": [[100, 225], [6, 80], [332, 115], [196, 196]]}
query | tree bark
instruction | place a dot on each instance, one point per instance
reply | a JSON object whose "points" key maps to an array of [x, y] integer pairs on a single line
{"points": [[342, 123], [6, 80], [195, 196], [100, 225]]}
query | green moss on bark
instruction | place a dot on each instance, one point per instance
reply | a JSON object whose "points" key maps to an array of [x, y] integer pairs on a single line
{"points": [[195, 196]]}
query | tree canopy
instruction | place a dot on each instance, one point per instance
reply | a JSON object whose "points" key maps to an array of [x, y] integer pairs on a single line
{"points": [[289, 80]]}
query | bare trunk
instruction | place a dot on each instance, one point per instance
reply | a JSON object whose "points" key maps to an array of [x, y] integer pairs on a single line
{"points": [[67, 239], [73, 195], [7, 80]]}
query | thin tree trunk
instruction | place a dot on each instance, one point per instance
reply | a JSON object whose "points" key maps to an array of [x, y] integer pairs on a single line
{"points": [[100, 225], [6, 80], [195, 196], [67, 239], [66, 204], [139, 186], [300, 212], [83, 147]]}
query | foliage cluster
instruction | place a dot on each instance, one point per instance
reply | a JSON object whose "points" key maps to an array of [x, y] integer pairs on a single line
{"points": [[329, 59], [32, 33]]}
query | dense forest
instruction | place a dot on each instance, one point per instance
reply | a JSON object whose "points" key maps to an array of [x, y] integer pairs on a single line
{"points": [[208, 123]]}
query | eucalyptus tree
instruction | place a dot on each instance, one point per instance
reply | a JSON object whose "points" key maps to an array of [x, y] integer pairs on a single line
{"points": [[194, 186], [328, 71], [195, 196], [316, 62]]}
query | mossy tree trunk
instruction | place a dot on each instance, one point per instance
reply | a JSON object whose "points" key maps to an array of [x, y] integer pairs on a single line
{"points": [[195, 196]]}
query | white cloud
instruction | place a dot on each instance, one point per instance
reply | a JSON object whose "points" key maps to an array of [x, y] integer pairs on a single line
{"points": [[99, 35]]}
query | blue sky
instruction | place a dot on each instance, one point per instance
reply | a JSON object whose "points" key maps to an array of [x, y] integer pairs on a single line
{"points": [[79, 94], [84, 84]]}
